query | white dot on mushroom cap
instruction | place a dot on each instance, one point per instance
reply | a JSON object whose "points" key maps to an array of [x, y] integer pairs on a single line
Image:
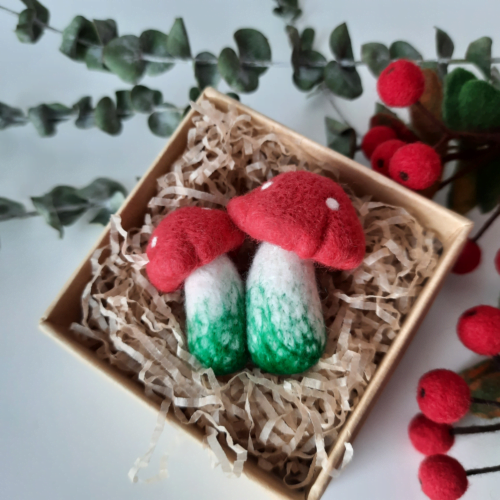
{"points": [[266, 185], [206, 208], [332, 204], [153, 243]]}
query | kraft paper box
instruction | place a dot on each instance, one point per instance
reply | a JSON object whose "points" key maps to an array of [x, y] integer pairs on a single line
{"points": [[449, 227]]}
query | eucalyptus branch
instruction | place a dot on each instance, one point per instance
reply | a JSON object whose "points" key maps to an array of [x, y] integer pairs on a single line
{"points": [[64, 205]]}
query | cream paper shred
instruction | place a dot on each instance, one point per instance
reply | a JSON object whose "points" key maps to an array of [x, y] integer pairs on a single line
{"points": [[287, 423]]}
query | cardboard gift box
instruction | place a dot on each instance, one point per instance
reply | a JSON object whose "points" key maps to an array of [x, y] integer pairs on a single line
{"points": [[450, 228]]}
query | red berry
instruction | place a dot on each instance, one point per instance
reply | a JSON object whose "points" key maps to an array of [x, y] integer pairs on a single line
{"points": [[429, 437], [374, 137], [443, 396], [383, 154], [469, 259], [416, 166], [497, 261], [442, 478], [479, 330], [401, 84]]}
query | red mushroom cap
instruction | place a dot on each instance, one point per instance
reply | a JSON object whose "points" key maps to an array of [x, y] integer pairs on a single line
{"points": [[305, 213], [185, 240]]}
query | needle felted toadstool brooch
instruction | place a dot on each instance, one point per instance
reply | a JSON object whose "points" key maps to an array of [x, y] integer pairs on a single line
{"points": [[189, 246], [301, 218]]}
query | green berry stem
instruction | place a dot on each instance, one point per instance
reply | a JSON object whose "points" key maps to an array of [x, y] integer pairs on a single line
{"points": [[475, 429], [484, 470], [487, 224]]}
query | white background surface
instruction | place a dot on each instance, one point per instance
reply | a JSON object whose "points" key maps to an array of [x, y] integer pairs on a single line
{"points": [[65, 431]]}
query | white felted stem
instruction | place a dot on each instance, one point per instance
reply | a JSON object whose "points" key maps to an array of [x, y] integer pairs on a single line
{"points": [[285, 325], [215, 313]]}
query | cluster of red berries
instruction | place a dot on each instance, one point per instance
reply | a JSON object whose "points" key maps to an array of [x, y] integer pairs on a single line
{"points": [[444, 398], [415, 165]]}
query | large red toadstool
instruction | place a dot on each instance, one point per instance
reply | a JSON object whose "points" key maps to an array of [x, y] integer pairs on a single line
{"points": [[189, 246], [301, 218]]}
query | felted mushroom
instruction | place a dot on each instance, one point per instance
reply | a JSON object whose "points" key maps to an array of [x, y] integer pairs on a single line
{"points": [[189, 246], [301, 218]]}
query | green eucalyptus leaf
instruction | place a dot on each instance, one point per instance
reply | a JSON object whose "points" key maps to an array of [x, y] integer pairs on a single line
{"points": [[101, 217], [232, 72], [495, 78], [253, 48], [293, 36], [340, 44], [106, 117], [10, 116], [77, 37], [308, 68], [194, 93], [60, 207], [307, 39], [488, 186], [288, 9], [85, 118], [340, 137], [178, 41], [145, 100], [124, 107], [403, 50], [45, 117], [106, 31], [444, 44], [10, 209], [444, 49], [376, 56], [163, 123], [344, 82], [123, 56], [479, 53], [234, 96], [206, 71], [31, 22], [154, 43], [101, 190]]}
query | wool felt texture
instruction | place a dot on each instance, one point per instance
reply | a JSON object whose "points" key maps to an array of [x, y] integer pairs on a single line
{"points": [[416, 166], [428, 437], [442, 478], [401, 84], [479, 106], [374, 137], [383, 154], [305, 213], [453, 84], [215, 314], [497, 261], [469, 259], [185, 240], [479, 330], [443, 396], [285, 326]]}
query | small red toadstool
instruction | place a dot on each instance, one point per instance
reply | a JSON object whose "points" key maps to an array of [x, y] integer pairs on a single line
{"points": [[301, 217], [189, 246]]}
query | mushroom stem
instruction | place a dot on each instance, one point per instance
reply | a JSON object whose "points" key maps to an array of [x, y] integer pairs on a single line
{"points": [[215, 313], [285, 325]]}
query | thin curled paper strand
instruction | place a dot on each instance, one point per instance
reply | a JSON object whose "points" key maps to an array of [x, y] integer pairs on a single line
{"points": [[287, 423]]}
